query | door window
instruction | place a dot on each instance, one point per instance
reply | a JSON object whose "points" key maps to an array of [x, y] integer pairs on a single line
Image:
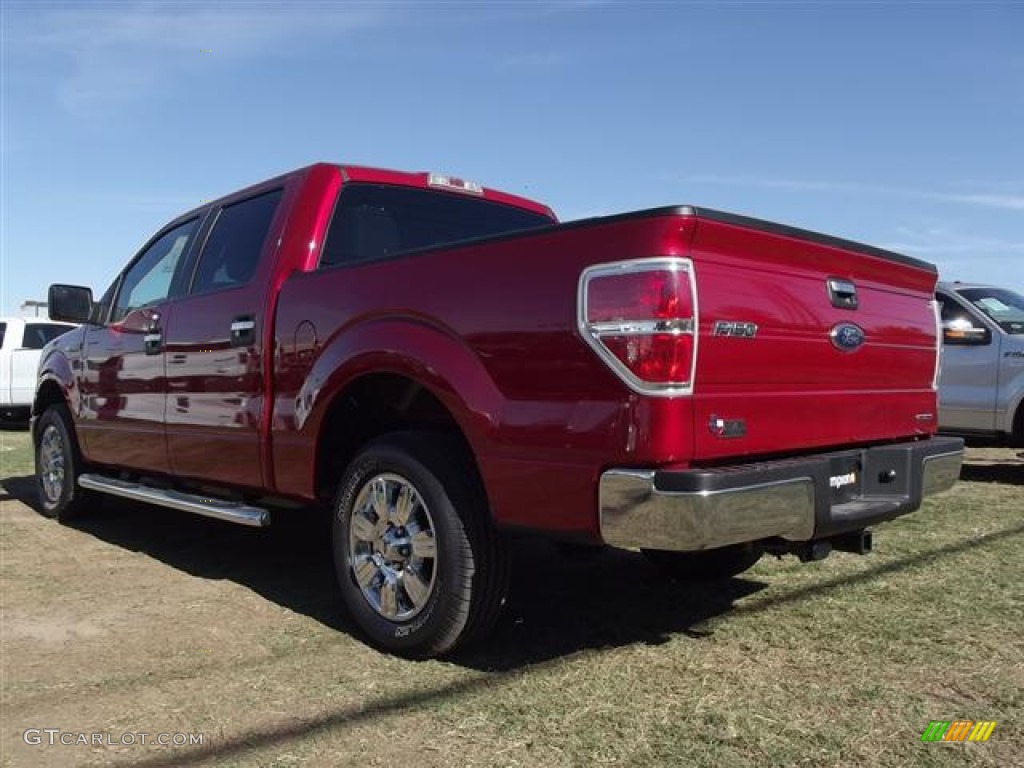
{"points": [[232, 251], [148, 280]]}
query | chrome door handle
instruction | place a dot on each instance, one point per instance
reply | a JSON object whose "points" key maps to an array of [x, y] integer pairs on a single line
{"points": [[243, 331], [153, 341]]}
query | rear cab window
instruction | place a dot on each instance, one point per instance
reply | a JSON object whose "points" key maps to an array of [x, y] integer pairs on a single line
{"points": [[377, 221]]}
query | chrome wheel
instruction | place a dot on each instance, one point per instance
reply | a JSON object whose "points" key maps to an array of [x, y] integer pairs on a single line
{"points": [[51, 464], [392, 550]]}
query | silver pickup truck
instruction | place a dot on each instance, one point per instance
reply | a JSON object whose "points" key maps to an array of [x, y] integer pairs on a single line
{"points": [[981, 386]]}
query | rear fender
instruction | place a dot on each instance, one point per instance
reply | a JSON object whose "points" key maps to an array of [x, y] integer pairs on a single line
{"points": [[1010, 413], [1011, 384], [430, 355]]}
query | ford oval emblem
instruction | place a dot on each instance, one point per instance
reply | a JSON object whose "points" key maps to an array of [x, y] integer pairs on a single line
{"points": [[847, 336]]}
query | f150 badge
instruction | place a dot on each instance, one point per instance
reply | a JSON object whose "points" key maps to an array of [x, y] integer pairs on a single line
{"points": [[735, 329], [847, 336]]}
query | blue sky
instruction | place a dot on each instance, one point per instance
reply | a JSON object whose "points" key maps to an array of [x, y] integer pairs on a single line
{"points": [[901, 125]]}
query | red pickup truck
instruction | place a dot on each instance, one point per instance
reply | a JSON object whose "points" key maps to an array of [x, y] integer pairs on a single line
{"points": [[444, 365]]}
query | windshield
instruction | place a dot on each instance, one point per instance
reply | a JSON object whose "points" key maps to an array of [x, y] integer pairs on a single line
{"points": [[1004, 307]]}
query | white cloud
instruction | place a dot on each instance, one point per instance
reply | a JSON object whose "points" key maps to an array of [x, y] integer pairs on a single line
{"points": [[1012, 202], [983, 198], [752, 181], [958, 254], [947, 241], [120, 53], [964, 256]]}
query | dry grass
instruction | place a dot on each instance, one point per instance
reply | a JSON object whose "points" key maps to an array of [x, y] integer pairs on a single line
{"points": [[142, 619]]}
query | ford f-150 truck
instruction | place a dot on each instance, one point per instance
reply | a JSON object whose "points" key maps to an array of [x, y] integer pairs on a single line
{"points": [[444, 365], [981, 389]]}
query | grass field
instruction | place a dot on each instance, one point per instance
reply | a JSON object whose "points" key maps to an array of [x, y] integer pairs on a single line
{"points": [[140, 619]]}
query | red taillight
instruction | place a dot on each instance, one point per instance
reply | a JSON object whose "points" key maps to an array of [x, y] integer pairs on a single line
{"points": [[657, 358], [648, 295], [640, 317]]}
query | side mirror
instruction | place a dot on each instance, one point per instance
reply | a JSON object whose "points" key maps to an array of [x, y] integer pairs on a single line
{"points": [[70, 303], [963, 332]]}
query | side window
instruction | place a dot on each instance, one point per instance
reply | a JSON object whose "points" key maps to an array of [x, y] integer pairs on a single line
{"points": [[3, 332], [148, 280], [38, 335], [232, 251]]}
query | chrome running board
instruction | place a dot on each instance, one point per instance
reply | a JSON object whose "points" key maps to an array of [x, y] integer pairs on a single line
{"points": [[231, 511]]}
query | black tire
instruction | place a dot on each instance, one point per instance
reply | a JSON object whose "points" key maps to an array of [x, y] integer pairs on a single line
{"points": [[1017, 438], [709, 565], [58, 465], [468, 572]]}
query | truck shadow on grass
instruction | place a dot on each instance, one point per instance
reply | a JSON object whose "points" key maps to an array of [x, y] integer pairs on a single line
{"points": [[21, 489], [558, 605], [1008, 473]]}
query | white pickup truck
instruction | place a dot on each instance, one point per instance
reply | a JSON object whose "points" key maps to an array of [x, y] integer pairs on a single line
{"points": [[981, 388], [21, 341]]}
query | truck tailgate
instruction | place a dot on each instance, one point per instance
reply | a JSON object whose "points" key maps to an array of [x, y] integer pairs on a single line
{"points": [[807, 341]]}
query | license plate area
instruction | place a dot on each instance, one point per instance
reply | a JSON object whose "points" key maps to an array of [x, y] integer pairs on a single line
{"points": [[845, 475]]}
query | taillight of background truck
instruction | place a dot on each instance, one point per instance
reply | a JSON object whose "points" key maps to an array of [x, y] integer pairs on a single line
{"points": [[937, 312], [640, 317]]}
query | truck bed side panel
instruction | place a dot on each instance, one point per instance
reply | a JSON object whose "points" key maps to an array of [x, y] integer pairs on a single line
{"points": [[555, 415]]}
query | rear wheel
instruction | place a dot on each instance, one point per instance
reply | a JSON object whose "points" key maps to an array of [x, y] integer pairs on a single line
{"points": [[420, 567], [58, 465], [709, 565]]}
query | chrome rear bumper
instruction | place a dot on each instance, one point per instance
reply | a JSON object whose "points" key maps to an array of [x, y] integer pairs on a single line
{"points": [[791, 499]]}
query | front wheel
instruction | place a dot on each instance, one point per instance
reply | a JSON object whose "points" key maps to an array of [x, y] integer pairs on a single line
{"points": [[420, 567], [58, 464]]}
